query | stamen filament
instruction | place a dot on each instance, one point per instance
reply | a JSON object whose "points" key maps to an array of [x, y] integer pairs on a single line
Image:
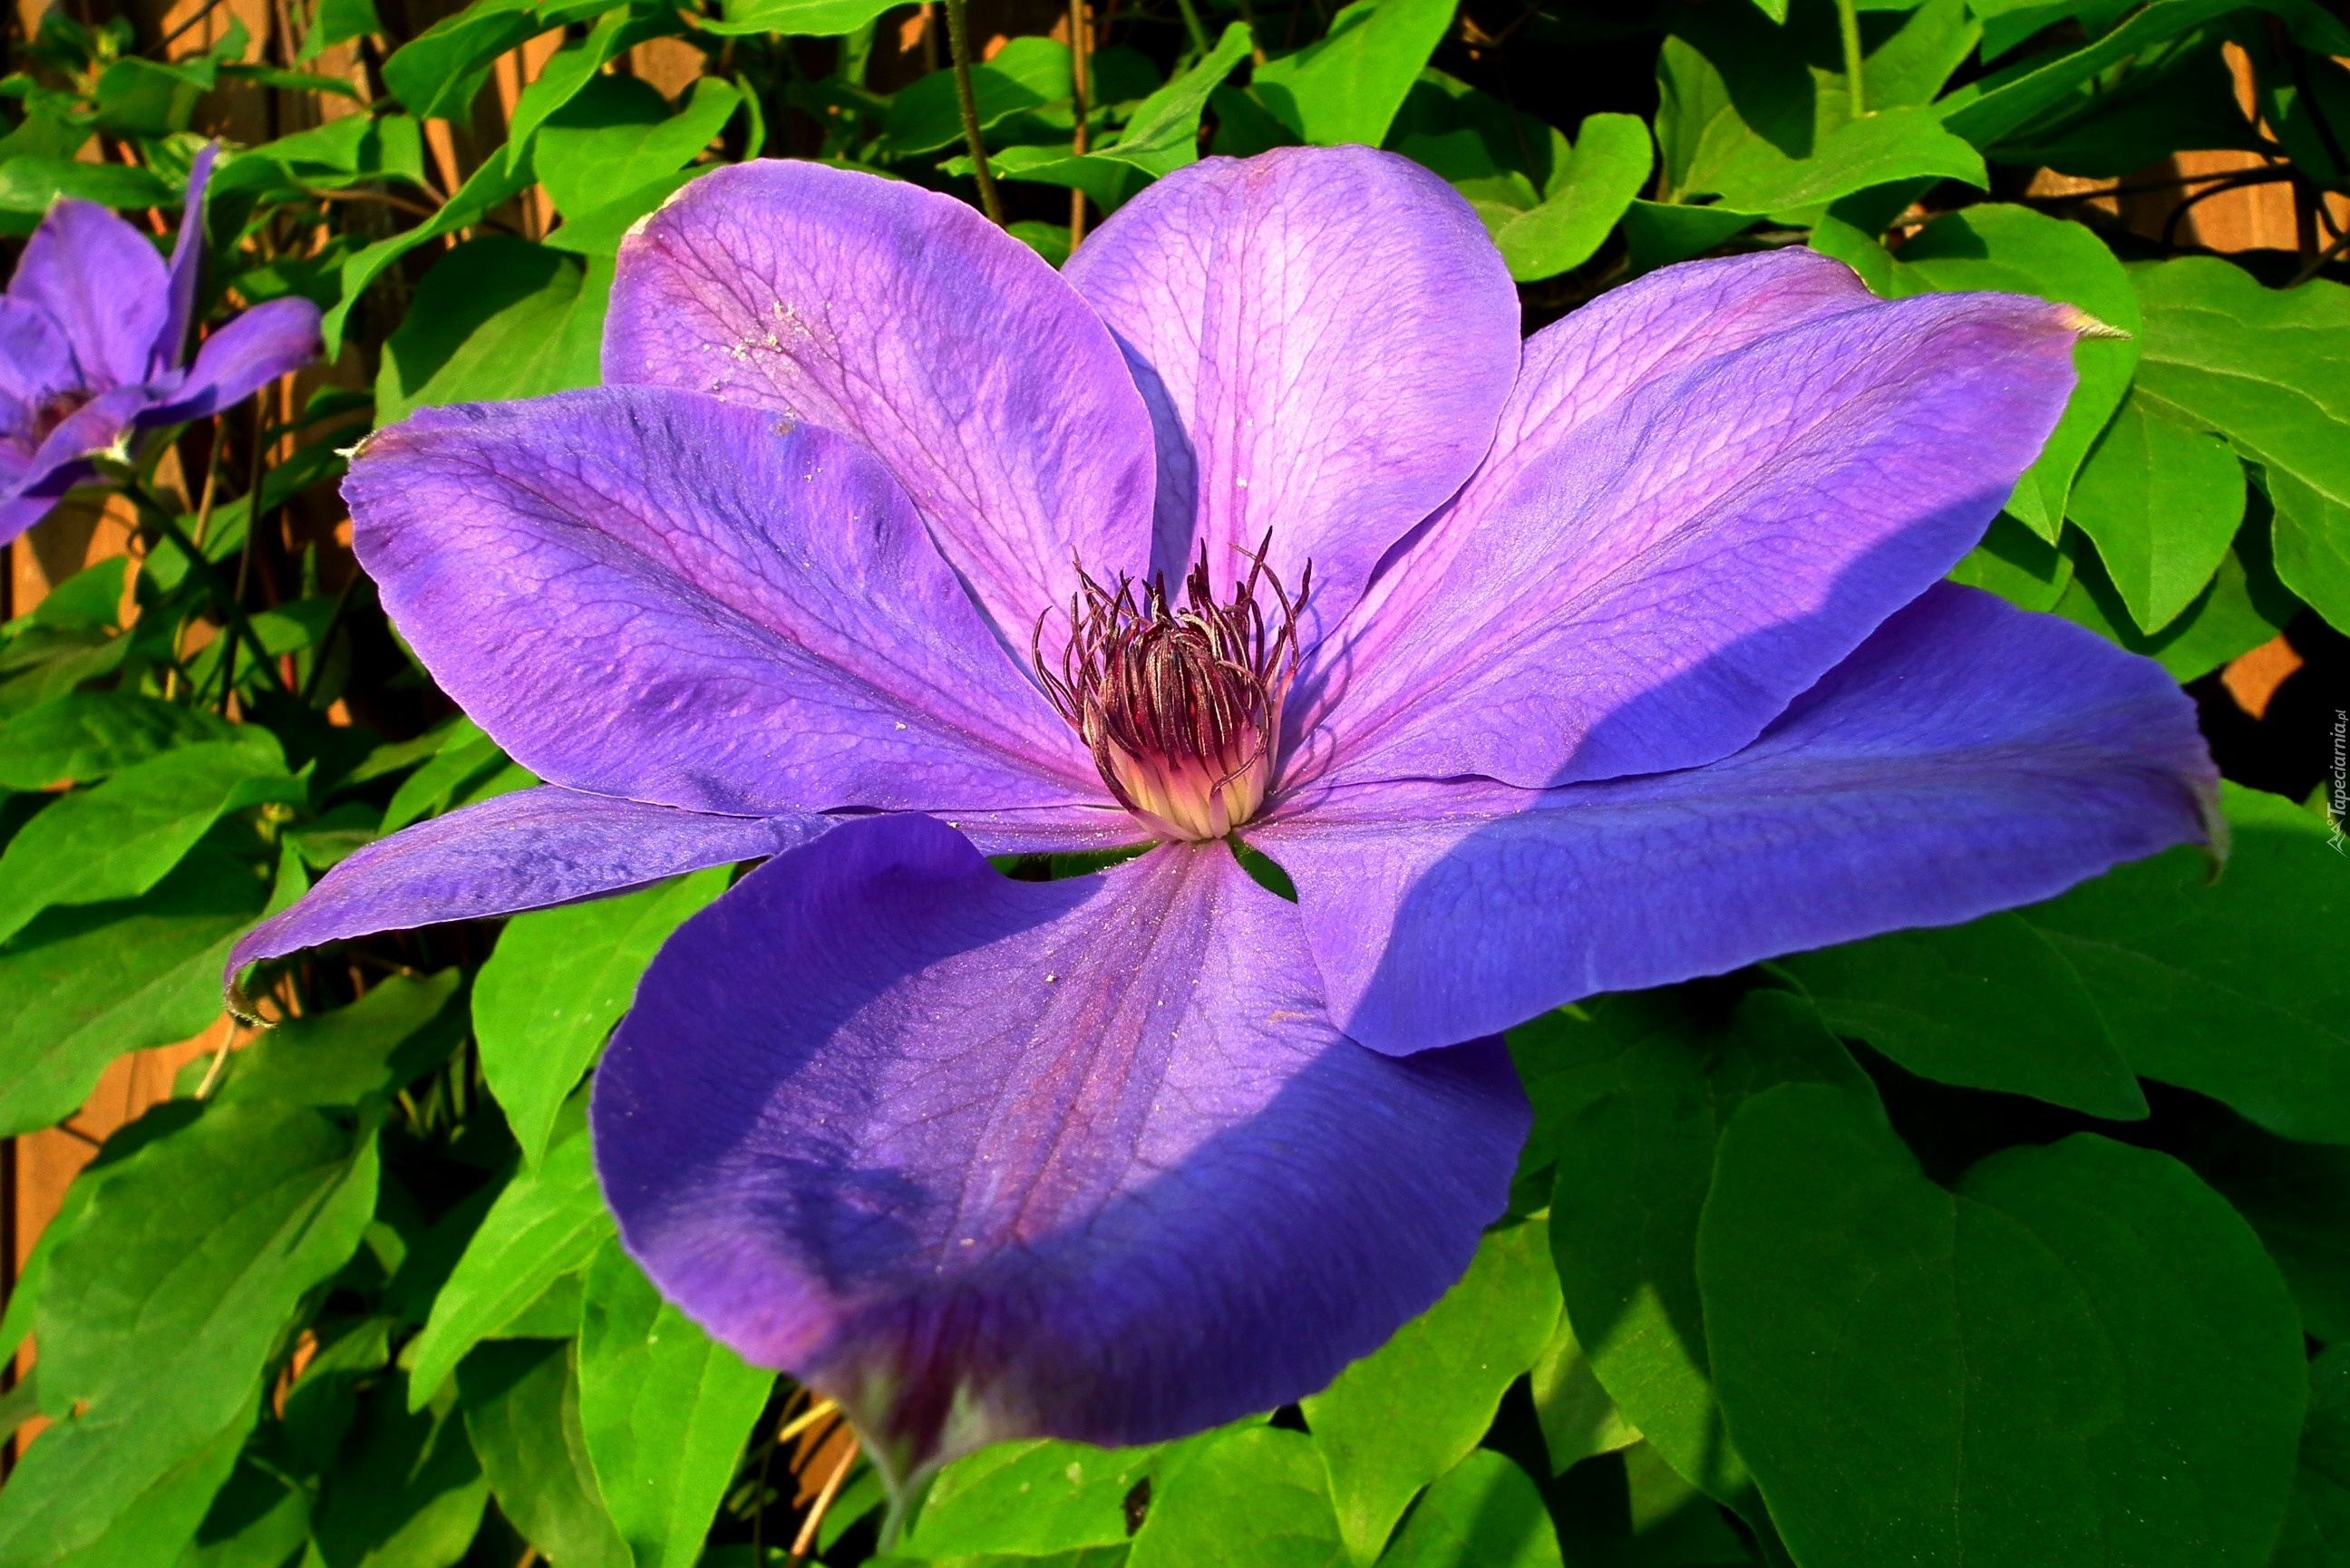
{"points": [[1180, 706]]}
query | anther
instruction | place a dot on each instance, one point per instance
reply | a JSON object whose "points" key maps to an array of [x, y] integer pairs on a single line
{"points": [[1180, 704]]}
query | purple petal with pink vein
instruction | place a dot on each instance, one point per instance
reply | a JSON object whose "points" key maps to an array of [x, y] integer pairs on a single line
{"points": [[1657, 583], [655, 595], [904, 319], [1325, 336], [527, 850], [1971, 757], [986, 1158]]}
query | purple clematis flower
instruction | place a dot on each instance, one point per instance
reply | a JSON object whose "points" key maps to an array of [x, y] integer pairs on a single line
{"points": [[93, 346], [1600, 659]]}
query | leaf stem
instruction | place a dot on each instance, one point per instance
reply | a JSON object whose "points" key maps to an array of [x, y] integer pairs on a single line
{"points": [[959, 50], [1081, 102], [1848, 27], [1192, 26], [159, 516]]}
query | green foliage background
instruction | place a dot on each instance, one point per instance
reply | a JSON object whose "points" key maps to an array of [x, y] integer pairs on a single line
{"points": [[2022, 1244]]}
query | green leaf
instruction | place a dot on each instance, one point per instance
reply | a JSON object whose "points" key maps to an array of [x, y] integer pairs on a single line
{"points": [[599, 231], [1482, 1513], [30, 185], [338, 22], [1578, 1418], [803, 18], [665, 1412], [41, 674], [520, 1399], [545, 1223], [121, 838], [491, 185], [1662, 233], [1987, 112], [1163, 134], [2296, 1196], [2019, 566], [1610, 165], [259, 1519], [2269, 369], [1632, 1096], [2162, 499], [1259, 1496], [406, 1491], [2318, 1526], [352, 1056], [161, 1308], [89, 600], [1161, 137], [2232, 987], [619, 135], [557, 983], [145, 1507], [496, 318], [2017, 1373], [1030, 1499], [1905, 143], [1347, 86], [80, 987], [2232, 615], [2177, 98], [2020, 251], [465, 760], [1991, 1004], [566, 74], [1026, 73], [87, 735], [439, 73], [1401, 1417]]}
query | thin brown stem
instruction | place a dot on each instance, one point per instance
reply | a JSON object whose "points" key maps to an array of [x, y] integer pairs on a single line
{"points": [[959, 47], [401, 204], [2321, 261]]}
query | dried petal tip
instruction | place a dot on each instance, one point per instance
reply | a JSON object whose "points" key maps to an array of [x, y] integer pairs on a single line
{"points": [[2082, 324], [1180, 706]]}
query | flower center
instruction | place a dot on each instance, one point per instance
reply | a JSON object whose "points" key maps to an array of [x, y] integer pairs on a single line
{"points": [[1181, 706], [53, 412]]}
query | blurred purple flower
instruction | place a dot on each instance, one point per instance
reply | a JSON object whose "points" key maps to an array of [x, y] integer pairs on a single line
{"points": [[93, 345], [1623, 657]]}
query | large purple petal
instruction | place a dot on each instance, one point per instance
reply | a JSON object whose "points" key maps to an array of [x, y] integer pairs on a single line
{"points": [[527, 850], [102, 283], [1325, 336], [187, 263], [988, 1158], [269, 340], [36, 365], [1652, 588], [655, 595], [1971, 757], [1671, 320], [1050, 830], [905, 319]]}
